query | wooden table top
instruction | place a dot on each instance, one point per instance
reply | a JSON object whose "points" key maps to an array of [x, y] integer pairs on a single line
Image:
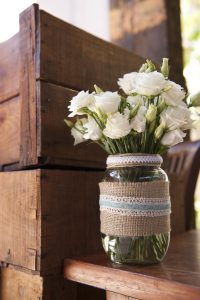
{"points": [[177, 277]]}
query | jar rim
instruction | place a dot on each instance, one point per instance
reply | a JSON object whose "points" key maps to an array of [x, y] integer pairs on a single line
{"points": [[133, 159]]}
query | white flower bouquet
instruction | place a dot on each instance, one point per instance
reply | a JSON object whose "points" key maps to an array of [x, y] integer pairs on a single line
{"points": [[150, 114]]}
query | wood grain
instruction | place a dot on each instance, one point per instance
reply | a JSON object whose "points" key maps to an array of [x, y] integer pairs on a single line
{"points": [[182, 165], [176, 278], [70, 211], [72, 59], [18, 285], [9, 68], [115, 296], [39, 210], [139, 26], [18, 218], [80, 60], [56, 142], [29, 59], [10, 131]]}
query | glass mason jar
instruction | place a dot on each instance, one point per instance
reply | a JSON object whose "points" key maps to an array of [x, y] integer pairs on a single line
{"points": [[135, 209]]}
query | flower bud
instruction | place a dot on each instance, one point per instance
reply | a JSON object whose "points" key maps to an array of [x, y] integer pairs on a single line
{"points": [[152, 126], [98, 90], [151, 67], [195, 99], [161, 105], [69, 123], [151, 113], [143, 68], [134, 111], [159, 131], [165, 67]]}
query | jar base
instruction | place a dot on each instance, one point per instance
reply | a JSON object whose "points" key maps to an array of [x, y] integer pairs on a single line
{"points": [[142, 250]]}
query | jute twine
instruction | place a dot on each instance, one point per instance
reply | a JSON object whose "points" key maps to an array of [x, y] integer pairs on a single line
{"points": [[135, 208]]}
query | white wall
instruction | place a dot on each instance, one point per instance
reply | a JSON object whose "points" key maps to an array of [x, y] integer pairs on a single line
{"points": [[90, 15], [9, 17]]}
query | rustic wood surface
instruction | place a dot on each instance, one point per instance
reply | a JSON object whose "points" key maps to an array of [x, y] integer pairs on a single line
{"points": [[56, 142], [10, 131], [29, 60], [115, 296], [9, 68], [80, 60], [177, 277], [141, 25], [16, 285], [72, 59], [18, 218], [182, 165], [38, 211], [70, 211]]}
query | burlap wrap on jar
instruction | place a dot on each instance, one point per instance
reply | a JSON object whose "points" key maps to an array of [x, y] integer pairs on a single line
{"points": [[134, 208]]}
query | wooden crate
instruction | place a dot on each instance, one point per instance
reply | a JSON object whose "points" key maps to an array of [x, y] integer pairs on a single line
{"points": [[18, 285], [41, 68], [46, 216]]}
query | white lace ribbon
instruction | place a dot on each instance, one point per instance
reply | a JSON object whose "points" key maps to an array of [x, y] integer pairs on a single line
{"points": [[138, 159]]}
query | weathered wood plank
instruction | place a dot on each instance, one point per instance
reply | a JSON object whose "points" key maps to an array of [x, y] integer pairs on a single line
{"points": [[115, 296], [18, 218], [76, 59], [29, 58], [150, 28], [9, 68], [18, 285], [176, 278], [56, 143], [10, 131], [39, 210], [70, 211]]}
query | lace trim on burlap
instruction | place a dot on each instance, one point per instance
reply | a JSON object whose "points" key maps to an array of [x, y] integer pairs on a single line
{"points": [[130, 160], [134, 208]]}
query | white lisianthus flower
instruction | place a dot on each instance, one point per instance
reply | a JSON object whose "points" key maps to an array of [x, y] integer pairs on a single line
{"points": [[147, 84], [172, 137], [93, 131], [176, 117], [128, 82], [150, 84], [134, 100], [78, 131], [117, 125], [108, 102], [83, 99], [174, 94], [138, 123]]}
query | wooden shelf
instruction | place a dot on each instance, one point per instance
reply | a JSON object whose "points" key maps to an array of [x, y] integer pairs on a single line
{"points": [[177, 277]]}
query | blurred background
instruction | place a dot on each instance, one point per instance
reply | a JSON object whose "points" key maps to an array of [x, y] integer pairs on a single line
{"points": [[169, 28]]}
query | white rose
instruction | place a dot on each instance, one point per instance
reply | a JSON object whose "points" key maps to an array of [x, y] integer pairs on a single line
{"points": [[172, 137], [134, 100], [139, 121], [176, 117], [117, 125], [174, 95], [108, 102], [128, 82], [93, 131], [83, 99], [147, 84]]}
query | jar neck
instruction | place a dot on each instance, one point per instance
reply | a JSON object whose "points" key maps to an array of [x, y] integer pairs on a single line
{"points": [[133, 160]]}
